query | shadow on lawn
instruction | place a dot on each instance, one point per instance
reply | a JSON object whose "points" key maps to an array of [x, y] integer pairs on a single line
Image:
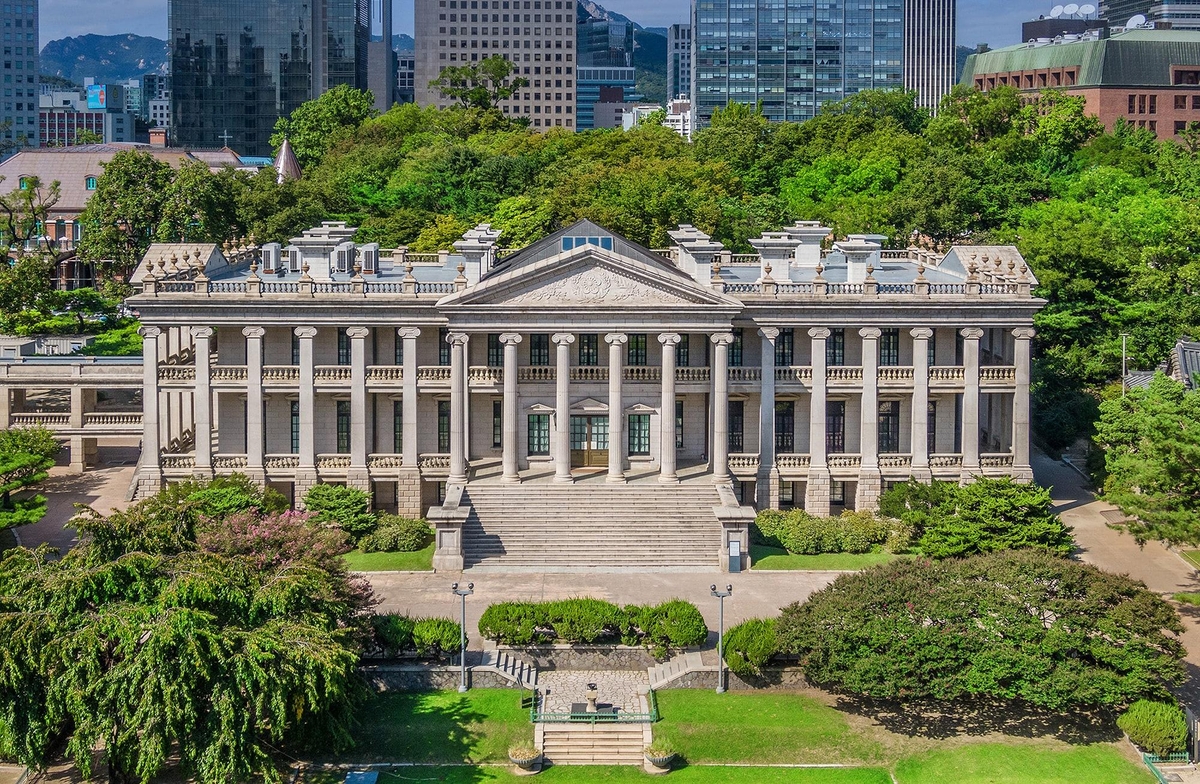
{"points": [[939, 720], [424, 727]]}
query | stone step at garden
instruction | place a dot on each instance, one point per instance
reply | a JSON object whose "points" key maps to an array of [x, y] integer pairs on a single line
{"points": [[662, 674], [594, 744], [519, 672]]}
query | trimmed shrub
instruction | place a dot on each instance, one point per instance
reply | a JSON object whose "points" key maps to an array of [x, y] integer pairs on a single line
{"points": [[393, 633], [586, 620], [750, 645], [436, 637], [853, 532], [769, 527], [516, 623], [671, 625], [1157, 727], [394, 534], [345, 507]]}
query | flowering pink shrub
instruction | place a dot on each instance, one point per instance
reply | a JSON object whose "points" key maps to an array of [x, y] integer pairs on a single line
{"points": [[273, 540]]}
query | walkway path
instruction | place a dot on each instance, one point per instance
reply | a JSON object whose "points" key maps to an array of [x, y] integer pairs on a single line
{"points": [[102, 488]]}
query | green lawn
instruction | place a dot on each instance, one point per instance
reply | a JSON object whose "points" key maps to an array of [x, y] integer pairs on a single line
{"points": [[1192, 557], [1187, 598], [778, 559], [420, 561], [758, 727], [582, 774], [996, 763]]}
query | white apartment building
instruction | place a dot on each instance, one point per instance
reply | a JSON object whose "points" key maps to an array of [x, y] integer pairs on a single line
{"points": [[584, 383], [537, 36]]}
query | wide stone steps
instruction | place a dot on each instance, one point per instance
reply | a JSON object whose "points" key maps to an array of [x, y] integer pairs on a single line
{"points": [[593, 525], [596, 744], [662, 674], [519, 672]]}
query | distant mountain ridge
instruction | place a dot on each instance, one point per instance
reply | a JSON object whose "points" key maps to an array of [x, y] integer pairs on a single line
{"points": [[108, 58]]}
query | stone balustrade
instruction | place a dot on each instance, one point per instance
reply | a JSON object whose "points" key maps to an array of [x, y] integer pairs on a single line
{"points": [[945, 461], [283, 461], [844, 374], [895, 460], [333, 460], [229, 462], [281, 374], [427, 373], [41, 418], [742, 462], [113, 419], [228, 373], [331, 373], [388, 460], [482, 375], [791, 461], [385, 373], [844, 460], [745, 375], [432, 462]]}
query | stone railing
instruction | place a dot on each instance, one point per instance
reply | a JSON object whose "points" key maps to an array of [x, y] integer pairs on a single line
{"points": [[176, 462], [176, 372], [845, 460], [380, 287], [484, 375], [947, 288], [281, 374], [692, 375], [42, 418], [332, 287], [433, 461], [228, 373], [743, 288], [996, 460], [642, 373], [336, 460], [794, 288], [744, 260], [433, 373], [229, 461], [379, 373], [793, 374], [743, 461], [791, 461], [589, 373], [435, 288], [844, 288], [843, 373], [1004, 374], [281, 461], [218, 287], [893, 460], [331, 373], [897, 288], [535, 373], [277, 287], [745, 374], [385, 461], [895, 373], [946, 373], [113, 419], [945, 461]]}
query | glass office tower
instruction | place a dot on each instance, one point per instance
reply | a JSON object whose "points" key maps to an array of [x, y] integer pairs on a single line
{"points": [[238, 65], [792, 55]]}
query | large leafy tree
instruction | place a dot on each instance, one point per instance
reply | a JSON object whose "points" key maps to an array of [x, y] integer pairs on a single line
{"points": [[26, 454], [1151, 443], [481, 85], [316, 125], [155, 647], [1012, 625], [123, 213], [196, 207]]}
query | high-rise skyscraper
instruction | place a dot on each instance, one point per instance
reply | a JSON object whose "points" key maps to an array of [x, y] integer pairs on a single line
{"points": [[679, 61], [537, 36], [239, 65], [793, 56], [381, 58], [1175, 14], [20, 115], [1118, 12], [929, 51]]}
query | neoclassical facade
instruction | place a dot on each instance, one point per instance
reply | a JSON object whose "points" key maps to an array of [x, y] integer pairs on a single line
{"points": [[794, 376]]}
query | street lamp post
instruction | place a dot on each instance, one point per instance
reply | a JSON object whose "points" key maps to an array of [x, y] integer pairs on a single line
{"points": [[720, 595], [463, 593]]}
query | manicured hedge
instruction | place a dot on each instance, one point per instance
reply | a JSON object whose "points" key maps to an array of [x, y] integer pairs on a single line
{"points": [[750, 645], [852, 532], [671, 625], [394, 534], [1158, 727], [395, 634]]}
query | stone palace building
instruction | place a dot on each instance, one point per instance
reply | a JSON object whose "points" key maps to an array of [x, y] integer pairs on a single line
{"points": [[586, 399]]}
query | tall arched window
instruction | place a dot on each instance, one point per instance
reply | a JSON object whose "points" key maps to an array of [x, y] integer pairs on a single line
{"points": [[90, 183]]}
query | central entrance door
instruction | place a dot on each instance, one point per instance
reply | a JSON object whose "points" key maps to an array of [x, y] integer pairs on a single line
{"points": [[589, 441]]}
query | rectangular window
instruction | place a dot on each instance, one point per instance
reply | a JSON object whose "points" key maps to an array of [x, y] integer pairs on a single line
{"points": [[397, 426], [443, 426], [539, 349], [443, 346], [497, 424], [735, 349], [495, 351], [889, 426], [295, 349], [539, 434], [835, 427], [931, 429], [837, 493], [636, 353], [737, 425], [343, 346], [295, 427], [399, 350], [639, 434], [784, 348], [1153, 104], [1196, 101], [785, 426], [1180, 101], [835, 348], [933, 349], [1132, 104], [343, 426], [589, 350], [679, 424], [889, 347]]}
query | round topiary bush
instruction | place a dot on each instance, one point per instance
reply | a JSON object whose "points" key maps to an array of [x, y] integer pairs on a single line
{"points": [[393, 632], [436, 637], [515, 623], [394, 534], [750, 645], [1157, 727], [671, 625]]}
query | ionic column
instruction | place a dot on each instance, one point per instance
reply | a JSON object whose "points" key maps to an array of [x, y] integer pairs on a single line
{"points": [[816, 492], [466, 393], [1021, 356], [562, 407], [616, 406], [767, 484], [203, 401], [920, 404], [666, 447], [510, 340], [970, 404], [308, 450], [720, 403], [869, 480], [357, 475], [254, 400], [458, 407], [409, 405], [149, 473]]}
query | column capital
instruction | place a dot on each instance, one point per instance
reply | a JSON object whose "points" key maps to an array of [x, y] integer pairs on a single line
{"points": [[510, 338], [306, 332], [563, 338], [457, 338], [149, 332], [972, 333], [1024, 333], [357, 333], [770, 333], [721, 338], [202, 332], [819, 333], [669, 338], [616, 338], [254, 332], [870, 333], [921, 333], [409, 333]]}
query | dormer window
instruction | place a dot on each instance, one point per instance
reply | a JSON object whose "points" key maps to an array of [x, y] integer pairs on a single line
{"points": [[24, 183], [568, 243], [90, 183]]}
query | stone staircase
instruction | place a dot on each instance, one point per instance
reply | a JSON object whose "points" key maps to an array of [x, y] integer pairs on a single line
{"points": [[592, 525], [579, 743], [521, 673], [663, 674]]}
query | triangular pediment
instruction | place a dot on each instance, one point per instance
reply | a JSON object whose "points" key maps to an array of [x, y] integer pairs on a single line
{"points": [[588, 277]]}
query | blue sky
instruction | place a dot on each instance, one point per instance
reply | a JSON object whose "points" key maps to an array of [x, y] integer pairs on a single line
{"points": [[979, 21]]}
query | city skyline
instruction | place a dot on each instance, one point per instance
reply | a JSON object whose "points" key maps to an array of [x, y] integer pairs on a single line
{"points": [[978, 20]]}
